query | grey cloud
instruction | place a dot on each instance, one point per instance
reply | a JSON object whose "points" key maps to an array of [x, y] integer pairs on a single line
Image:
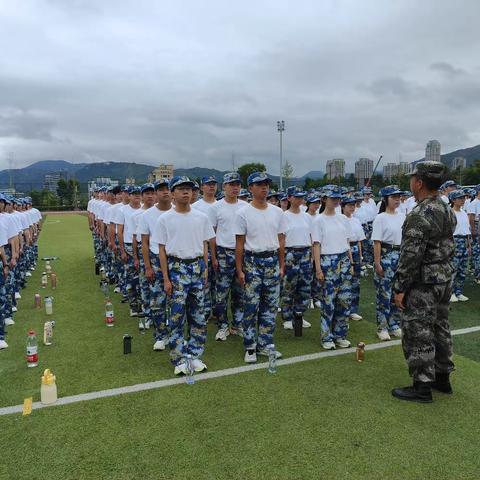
{"points": [[447, 68]]}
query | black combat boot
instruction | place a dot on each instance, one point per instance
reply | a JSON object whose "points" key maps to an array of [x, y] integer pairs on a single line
{"points": [[442, 383], [419, 392]]}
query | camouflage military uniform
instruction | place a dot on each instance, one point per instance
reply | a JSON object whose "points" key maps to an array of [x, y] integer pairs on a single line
{"points": [[424, 275]]}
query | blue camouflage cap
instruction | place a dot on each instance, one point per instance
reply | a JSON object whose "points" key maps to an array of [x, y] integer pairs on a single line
{"points": [[272, 193], [390, 190], [2, 198], [220, 195], [282, 197], [257, 177], [477, 188], [348, 199], [333, 193], [125, 188], [147, 186], [134, 189], [160, 183], [312, 198], [456, 194], [232, 177], [180, 180], [299, 193], [447, 184], [243, 193], [366, 190], [209, 179], [291, 190]]}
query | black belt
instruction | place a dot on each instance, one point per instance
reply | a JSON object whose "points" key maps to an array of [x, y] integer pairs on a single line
{"points": [[225, 249], [388, 246], [185, 260], [353, 243], [265, 254], [297, 249], [461, 236]]}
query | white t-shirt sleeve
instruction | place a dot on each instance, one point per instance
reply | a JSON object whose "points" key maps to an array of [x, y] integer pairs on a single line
{"points": [[159, 234], [241, 222], [282, 224], [377, 229], [208, 232], [212, 216]]}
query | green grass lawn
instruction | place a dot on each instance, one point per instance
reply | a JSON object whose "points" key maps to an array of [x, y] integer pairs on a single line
{"points": [[327, 418]]}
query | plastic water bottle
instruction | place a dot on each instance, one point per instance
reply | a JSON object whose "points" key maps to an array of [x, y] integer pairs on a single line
{"points": [[48, 305], [48, 333], [104, 288], [48, 390], [272, 358], [44, 280], [109, 315], [190, 380], [32, 349]]}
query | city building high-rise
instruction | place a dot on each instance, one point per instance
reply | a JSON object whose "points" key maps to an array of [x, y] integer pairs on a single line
{"points": [[50, 180], [363, 171], [101, 182], [459, 162], [163, 171], [335, 168], [432, 151], [390, 170]]}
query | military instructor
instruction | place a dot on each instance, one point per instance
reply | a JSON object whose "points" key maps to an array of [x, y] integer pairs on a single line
{"points": [[422, 286]]}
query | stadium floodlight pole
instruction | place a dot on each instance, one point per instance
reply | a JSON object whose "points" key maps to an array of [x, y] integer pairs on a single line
{"points": [[281, 128], [374, 170]]}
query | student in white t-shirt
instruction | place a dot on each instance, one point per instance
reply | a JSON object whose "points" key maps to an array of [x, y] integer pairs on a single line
{"points": [[474, 218], [222, 215], [297, 280], [151, 279], [313, 204], [260, 262], [331, 234], [463, 247], [183, 234], [358, 235], [387, 237]]}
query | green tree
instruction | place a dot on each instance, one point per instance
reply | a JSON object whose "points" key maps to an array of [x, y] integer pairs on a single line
{"points": [[248, 168], [287, 173], [67, 190]]}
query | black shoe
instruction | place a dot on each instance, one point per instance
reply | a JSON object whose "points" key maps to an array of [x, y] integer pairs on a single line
{"points": [[419, 392], [442, 383]]}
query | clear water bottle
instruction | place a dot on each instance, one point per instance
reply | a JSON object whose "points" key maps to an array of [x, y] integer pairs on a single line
{"points": [[109, 315], [190, 380], [272, 358], [32, 349]]}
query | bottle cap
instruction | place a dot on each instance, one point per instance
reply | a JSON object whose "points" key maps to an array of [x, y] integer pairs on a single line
{"points": [[48, 377], [31, 332]]}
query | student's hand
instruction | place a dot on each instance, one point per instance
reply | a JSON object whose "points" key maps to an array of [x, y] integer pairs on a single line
{"points": [[379, 270], [167, 286], [13, 262], [282, 272], [149, 274], [124, 257], [319, 275], [215, 264], [136, 263], [469, 251], [241, 278], [5, 271], [398, 300], [352, 271]]}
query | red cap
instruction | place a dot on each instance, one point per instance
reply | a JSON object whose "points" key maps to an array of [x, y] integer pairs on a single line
{"points": [[31, 332]]}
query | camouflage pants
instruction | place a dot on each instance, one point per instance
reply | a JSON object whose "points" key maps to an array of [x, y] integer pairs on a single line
{"points": [[460, 261], [226, 283], [296, 292], [187, 301], [210, 289], [154, 300], [357, 269], [426, 341], [336, 296], [388, 315], [3, 315], [476, 257], [315, 288], [261, 295], [131, 279], [367, 244]]}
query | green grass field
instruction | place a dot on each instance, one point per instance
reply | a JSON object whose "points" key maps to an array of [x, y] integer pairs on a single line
{"points": [[330, 418]]}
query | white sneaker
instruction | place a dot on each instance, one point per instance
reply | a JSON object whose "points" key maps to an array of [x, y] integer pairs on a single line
{"points": [[3, 344], [306, 324], [198, 365], [453, 298], [279, 309], [355, 317], [159, 345], [141, 325], [116, 290], [17, 296], [462, 298], [133, 313], [312, 305], [328, 345], [383, 335], [477, 282], [265, 353], [148, 324], [222, 334], [342, 343], [14, 309], [28, 274], [318, 304], [251, 358], [9, 321], [397, 333], [180, 369], [288, 325]]}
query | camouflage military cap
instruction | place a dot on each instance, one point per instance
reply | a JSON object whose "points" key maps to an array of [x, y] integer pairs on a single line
{"points": [[232, 177], [433, 170]]}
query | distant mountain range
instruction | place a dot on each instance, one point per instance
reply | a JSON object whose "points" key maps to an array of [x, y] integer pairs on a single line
{"points": [[32, 177], [470, 154]]}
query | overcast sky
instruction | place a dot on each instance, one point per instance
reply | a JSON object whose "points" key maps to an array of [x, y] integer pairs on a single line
{"points": [[190, 82]]}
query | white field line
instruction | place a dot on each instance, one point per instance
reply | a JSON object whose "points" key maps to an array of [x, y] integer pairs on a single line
{"points": [[209, 375]]}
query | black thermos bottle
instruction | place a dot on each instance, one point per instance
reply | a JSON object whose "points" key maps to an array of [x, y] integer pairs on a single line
{"points": [[298, 324], [127, 344]]}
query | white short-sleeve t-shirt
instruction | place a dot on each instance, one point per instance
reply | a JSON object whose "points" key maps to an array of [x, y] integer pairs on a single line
{"points": [[183, 234], [387, 228], [261, 227], [474, 208], [129, 222], [357, 230], [146, 225], [203, 206], [299, 229], [332, 232], [463, 225], [222, 216]]}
